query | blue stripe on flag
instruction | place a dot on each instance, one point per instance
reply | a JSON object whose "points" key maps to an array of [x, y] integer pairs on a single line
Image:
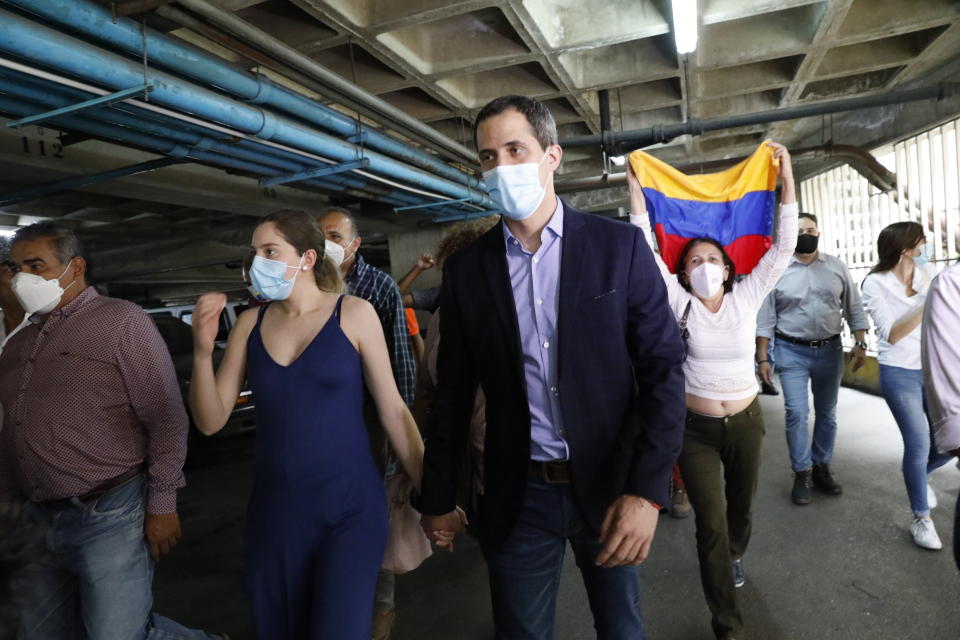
{"points": [[723, 221]]}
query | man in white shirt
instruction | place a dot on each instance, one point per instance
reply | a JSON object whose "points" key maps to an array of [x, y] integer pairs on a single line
{"points": [[806, 312], [940, 355]]}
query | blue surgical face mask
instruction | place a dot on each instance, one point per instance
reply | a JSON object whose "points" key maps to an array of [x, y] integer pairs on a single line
{"points": [[268, 279], [924, 256], [516, 188]]}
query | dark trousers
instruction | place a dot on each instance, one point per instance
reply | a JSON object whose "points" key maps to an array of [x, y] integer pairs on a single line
{"points": [[720, 462], [525, 572]]}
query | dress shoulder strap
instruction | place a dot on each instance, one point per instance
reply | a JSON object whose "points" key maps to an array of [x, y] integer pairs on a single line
{"points": [[260, 312], [336, 309]]}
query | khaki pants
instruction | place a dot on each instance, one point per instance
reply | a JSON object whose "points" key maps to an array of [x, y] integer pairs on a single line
{"points": [[720, 462]]}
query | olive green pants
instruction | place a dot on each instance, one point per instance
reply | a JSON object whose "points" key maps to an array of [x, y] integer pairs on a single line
{"points": [[720, 462]]}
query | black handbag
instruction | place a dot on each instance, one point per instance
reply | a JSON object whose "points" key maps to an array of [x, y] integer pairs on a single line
{"points": [[684, 332]]}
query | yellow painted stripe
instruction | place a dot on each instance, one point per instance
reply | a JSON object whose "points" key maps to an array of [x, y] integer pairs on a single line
{"points": [[756, 173]]}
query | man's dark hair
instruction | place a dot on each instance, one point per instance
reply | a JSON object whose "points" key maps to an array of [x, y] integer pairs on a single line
{"points": [[809, 216], [346, 212], [540, 119], [66, 244]]}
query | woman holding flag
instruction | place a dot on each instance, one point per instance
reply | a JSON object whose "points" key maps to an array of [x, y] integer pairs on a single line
{"points": [[720, 459]]}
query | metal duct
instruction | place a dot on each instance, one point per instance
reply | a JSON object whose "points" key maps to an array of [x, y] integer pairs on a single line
{"points": [[625, 141]]}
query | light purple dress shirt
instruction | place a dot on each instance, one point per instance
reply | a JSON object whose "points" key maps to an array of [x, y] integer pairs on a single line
{"points": [[535, 280]]}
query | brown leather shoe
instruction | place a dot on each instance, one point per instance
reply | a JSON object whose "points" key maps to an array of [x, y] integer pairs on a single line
{"points": [[382, 623]]}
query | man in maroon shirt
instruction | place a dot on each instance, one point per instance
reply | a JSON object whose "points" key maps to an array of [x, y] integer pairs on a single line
{"points": [[93, 442]]}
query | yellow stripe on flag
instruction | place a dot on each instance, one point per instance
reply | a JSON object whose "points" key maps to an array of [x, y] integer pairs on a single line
{"points": [[756, 173]]}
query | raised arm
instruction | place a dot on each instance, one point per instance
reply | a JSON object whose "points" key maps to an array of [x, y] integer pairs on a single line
{"points": [[424, 262], [639, 218], [775, 261], [364, 324], [212, 396]]}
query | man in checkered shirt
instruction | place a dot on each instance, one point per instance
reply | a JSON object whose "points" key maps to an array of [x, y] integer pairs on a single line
{"points": [[92, 446], [376, 287]]}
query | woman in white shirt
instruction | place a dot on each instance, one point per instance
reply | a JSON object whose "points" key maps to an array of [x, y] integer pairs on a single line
{"points": [[724, 430], [894, 293]]}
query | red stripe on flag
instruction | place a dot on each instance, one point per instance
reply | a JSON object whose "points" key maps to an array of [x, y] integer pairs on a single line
{"points": [[745, 250]]}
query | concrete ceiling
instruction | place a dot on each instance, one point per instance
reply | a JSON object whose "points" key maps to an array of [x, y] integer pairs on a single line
{"points": [[442, 60]]}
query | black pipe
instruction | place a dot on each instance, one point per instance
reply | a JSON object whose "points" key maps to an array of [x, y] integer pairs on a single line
{"points": [[625, 141], [603, 95], [861, 160]]}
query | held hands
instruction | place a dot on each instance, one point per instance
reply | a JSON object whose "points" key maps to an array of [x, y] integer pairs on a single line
{"points": [[627, 532], [206, 321], [441, 530], [162, 531]]}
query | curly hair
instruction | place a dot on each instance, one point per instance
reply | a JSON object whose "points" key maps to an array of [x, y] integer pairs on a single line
{"points": [[462, 234]]}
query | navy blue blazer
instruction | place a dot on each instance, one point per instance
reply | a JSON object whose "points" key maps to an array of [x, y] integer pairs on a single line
{"points": [[621, 386]]}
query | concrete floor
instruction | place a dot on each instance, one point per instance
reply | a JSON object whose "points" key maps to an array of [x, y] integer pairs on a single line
{"points": [[841, 568]]}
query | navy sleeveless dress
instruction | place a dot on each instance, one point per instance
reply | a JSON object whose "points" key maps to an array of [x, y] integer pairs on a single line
{"points": [[316, 524]]}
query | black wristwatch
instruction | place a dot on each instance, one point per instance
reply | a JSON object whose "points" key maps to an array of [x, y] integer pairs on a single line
{"points": [[862, 344]]}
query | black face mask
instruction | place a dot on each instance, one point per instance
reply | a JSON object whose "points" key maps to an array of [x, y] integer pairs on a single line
{"points": [[807, 243]]}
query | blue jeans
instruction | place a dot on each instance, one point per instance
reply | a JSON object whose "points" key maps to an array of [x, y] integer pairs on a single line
{"points": [[94, 580], [525, 572], [801, 368], [903, 391]]}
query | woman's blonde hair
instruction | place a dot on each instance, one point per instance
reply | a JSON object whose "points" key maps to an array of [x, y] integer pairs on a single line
{"points": [[302, 232]]}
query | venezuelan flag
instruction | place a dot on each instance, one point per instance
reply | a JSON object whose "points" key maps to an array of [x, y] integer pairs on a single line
{"points": [[734, 207]]}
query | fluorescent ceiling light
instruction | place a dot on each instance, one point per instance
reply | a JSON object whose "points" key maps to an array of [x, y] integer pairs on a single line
{"points": [[685, 25]]}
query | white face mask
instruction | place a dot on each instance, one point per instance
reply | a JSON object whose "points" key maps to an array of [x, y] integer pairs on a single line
{"points": [[516, 188], [333, 251], [36, 294], [706, 280]]}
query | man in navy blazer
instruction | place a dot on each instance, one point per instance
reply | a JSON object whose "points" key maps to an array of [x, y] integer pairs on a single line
{"points": [[562, 318]]}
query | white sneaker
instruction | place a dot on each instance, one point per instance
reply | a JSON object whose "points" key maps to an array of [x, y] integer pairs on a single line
{"points": [[925, 534], [931, 498]]}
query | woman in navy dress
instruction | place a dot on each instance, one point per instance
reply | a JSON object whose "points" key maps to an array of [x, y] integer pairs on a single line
{"points": [[317, 519]]}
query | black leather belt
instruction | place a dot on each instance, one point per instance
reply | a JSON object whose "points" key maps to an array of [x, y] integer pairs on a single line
{"points": [[813, 344], [97, 492], [551, 472]]}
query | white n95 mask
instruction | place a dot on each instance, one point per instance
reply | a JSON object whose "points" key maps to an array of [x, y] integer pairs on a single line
{"points": [[706, 280], [37, 294], [333, 251]]}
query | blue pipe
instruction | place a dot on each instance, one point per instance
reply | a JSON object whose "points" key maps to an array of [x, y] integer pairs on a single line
{"points": [[120, 135], [26, 39], [18, 108], [126, 35], [51, 95]]}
